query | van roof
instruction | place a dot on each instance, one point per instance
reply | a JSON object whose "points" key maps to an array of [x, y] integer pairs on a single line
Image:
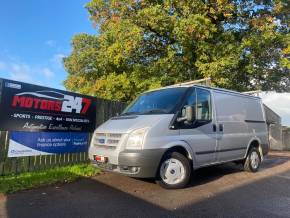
{"points": [[205, 87]]}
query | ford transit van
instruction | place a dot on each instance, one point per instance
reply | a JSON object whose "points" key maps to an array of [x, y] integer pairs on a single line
{"points": [[169, 132]]}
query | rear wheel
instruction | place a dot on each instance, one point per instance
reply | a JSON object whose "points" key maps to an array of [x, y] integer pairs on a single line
{"points": [[253, 160], [174, 171]]}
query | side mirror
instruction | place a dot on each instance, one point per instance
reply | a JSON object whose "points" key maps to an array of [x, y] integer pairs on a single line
{"points": [[189, 114]]}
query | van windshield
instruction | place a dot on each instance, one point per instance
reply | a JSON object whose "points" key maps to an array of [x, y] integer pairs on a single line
{"points": [[164, 101]]}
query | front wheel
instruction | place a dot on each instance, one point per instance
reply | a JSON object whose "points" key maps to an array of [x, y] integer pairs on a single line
{"points": [[174, 171], [253, 160]]}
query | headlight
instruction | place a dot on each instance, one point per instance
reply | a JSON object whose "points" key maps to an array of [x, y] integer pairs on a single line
{"points": [[136, 138]]}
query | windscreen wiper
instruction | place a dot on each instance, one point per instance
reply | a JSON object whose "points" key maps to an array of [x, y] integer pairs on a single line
{"points": [[128, 113], [155, 111]]}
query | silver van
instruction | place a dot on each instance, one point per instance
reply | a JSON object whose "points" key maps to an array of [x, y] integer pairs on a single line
{"points": [[169, 132]]}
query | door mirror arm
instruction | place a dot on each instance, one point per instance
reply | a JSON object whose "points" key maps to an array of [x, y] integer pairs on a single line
{"points": [[189, 115]]}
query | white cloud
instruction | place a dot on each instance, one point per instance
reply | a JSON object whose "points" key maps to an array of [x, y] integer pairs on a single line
{"points": [[23, 77], [24, 72], [47, 73], [19, 71], [20, 68], [56, 60], [280, 103], [50, 43]]}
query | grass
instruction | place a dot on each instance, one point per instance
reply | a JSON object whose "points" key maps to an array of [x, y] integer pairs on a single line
{"points": [[14, 183]]}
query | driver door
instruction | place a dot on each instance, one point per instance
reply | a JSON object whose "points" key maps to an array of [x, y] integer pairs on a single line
{"points": [[201, 134]]}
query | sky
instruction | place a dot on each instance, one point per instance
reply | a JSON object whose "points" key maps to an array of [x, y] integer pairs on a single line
{"points": [[35, 35], [279, 103]]}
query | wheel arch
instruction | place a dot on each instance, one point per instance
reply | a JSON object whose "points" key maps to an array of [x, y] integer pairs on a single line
{"points": [[256, 143], [183, 148]]}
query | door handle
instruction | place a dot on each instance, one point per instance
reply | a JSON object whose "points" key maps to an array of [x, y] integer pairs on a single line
{"points": [[221, 127], [214, 127]]}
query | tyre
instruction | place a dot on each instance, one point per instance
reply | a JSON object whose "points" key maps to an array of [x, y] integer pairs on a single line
{"points": [[253, 160], [174, 171]]}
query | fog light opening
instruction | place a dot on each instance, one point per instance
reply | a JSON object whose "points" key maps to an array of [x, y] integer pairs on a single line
{"points": [[130, 169], [125, 168], [134, 169]]}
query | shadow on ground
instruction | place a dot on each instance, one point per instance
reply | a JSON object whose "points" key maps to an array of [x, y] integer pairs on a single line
{"points": [[211, 173], [220, 191]]}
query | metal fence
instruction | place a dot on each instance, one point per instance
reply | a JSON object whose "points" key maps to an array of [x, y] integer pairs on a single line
{"points": [[14, 165], [286, 138]]}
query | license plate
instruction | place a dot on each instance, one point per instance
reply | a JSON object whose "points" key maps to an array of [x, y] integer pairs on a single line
{"points": [[101, 159]]}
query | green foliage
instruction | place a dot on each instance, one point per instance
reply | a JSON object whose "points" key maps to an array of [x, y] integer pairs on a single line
{"points": [[241, 45], [13, 183]]}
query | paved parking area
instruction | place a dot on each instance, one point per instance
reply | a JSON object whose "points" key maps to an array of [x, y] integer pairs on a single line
{"points": [[220, 191]]}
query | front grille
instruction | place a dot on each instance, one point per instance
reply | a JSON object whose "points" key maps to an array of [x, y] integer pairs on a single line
{"points": [[114, 135], [107, 140], [112, 141]]}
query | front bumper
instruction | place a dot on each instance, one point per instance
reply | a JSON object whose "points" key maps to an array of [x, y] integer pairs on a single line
{"points": [[135, 163]]}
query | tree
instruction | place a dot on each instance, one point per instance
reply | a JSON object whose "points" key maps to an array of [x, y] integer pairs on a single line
{"points": [[140, 44]]}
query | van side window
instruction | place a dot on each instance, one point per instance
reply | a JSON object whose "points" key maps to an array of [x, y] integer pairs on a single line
{"points": [[191, 99], [203, 106]]}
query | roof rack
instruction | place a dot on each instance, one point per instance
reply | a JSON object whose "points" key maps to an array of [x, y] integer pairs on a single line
{"points": [[257, 92], [207, 82]]}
